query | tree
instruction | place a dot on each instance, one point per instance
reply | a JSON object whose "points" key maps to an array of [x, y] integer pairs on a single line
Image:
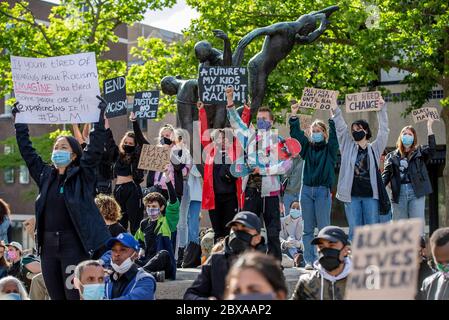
{"points": [[409, 35]]}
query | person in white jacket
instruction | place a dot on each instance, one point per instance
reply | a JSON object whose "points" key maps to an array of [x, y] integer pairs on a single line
{"points": [[292, 227]]}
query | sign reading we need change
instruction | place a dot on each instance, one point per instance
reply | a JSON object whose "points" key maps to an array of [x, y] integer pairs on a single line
{"points": [[385, 262], [146, 104], [319, 99], [56, 90], [115, 95], [363, 101], [213, 82]]}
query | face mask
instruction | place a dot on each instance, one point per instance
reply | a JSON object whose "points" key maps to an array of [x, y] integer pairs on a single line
{"points": [[239, 241], [330, 259], [295, 213], [166, 141], [93, 291], [317, 137], [358, 135], [124, 267], [128, 148], [61, 158], [407, 140], [13, 296], [11, 255], [153, 213], [254, 296], [263, 124]]}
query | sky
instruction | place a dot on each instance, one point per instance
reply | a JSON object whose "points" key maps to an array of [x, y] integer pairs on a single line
{"points": [[174, 19]]}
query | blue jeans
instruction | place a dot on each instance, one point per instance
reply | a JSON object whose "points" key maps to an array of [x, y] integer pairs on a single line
{"points": [[316, 213], [409, 205], [193, 221], [288, 199], [361, 211]]}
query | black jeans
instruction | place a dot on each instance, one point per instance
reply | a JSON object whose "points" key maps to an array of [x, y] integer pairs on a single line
{"points": [[226, 207], [159, 262], [129, 197], [268, 208], [61, 253]]}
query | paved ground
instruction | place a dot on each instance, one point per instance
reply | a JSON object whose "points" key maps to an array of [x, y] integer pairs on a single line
{"points": [[184, 278]]}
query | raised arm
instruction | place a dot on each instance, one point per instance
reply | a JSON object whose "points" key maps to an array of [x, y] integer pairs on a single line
{"points": [[227, 53], [312, 36], [296, 131], [77, 134], [140, 138], [381, 141], [343, 136], [333, 141], [429, 150]]}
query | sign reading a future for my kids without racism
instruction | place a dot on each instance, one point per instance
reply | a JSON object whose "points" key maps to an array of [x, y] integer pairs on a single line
{"points": [[57, 89], [213, 81]]}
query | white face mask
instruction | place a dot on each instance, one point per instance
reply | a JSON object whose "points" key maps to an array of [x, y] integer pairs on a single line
{"points": [[124, 267]]}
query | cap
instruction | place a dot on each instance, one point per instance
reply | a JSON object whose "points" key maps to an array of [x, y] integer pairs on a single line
{"points": [[126, 239], [248, 219], [16, 245], [333, 234]]}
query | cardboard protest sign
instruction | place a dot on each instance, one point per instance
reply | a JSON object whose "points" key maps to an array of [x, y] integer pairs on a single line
{"points": [[305, 120], [56, 90], [319, 99], [146, 104], [115, 95], [154, 158], [213, 82], [385, 261], [363, 101], [423, 114]]}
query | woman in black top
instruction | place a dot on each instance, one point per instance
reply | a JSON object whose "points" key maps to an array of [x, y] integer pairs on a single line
{"points": [[127, 189], [110, 210], [68, 224]]}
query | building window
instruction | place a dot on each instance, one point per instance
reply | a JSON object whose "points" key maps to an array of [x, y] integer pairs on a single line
{"points": [[24, 177], [8, 175], [7, 111]]}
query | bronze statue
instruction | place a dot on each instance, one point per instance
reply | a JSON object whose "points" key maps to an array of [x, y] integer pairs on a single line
{"points": [[279, 41]]}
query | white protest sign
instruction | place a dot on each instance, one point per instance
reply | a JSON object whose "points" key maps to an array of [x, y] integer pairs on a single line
{"points": [[319, 99], [385, 261], [57, 89], [423, 114], [363, 101], [154, 158]]}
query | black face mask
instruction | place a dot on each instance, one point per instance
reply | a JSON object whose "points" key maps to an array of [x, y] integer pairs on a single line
{"points": [[129, 149], [165, 140], [358, 135], [239, 241], [329, 259]]}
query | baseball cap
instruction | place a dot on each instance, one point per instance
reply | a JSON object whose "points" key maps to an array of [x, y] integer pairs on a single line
{"points": [[333, 234], [126, 239], [248, 219], [16, 245]]}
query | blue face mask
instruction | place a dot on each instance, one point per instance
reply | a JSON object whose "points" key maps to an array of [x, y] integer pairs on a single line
{"points": [[407, 140], [13, 296], [61, 158], [295, 213], [93, 291], [317, 137], [263, 124]]}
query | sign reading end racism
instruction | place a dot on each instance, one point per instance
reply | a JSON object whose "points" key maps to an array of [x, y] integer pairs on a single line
{"points": [[154, 158], [424, 114], [115, 95], [57, 89], [385, 261], [319, 99], [213, 82], [146, 104], [363, 101]]}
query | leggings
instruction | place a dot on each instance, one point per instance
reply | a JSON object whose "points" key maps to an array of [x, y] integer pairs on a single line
{"points": [[226, 207], [129, 197]]}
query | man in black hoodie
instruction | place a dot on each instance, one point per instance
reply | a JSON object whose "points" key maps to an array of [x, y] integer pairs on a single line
{"points": [[244, 235]]}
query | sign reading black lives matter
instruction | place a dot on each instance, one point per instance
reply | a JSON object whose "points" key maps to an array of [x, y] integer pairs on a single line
{"points": [[385, 261], [146, 104], [115, 95], [213, 82], [56, 90]]}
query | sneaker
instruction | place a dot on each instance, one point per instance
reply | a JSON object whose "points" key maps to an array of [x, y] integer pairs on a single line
{"points": [[180, 258], [159, 276], [309, 267]]}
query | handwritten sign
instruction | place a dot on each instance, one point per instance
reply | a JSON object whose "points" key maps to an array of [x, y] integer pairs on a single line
{"points": [[363, 101], [57, 89], [423, 114], [385, 261], [319, 99], [154, 158], [115, 95], [305, 120], [146, 104], [213, 82]]}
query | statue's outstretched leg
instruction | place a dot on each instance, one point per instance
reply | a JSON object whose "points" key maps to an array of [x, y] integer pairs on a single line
{"points": [[257, 84]]}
